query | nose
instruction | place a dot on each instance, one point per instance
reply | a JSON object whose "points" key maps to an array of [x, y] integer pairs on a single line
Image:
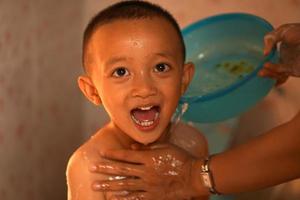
{"points": [[143, 87]]}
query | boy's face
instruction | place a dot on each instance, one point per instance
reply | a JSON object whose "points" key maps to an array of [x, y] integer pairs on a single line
{"points": [[137, 73]]}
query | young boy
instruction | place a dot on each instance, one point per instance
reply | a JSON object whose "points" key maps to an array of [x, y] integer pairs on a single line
{"points": [[133, 56]]}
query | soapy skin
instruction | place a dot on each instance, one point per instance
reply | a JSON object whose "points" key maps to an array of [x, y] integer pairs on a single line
{"points": [[172, 168]]}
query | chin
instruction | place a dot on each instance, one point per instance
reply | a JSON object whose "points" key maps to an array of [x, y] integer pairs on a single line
{"points": [[147, 140]]}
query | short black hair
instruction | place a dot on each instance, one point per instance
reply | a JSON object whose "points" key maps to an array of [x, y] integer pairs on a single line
{"points": [[133, 9]]}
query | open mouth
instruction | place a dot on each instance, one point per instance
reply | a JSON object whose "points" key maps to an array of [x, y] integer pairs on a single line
{"points": [[146, 116]]}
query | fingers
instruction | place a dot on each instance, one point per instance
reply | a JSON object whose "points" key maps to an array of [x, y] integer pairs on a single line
{"points": [[275, 71], [133, 196], [281, 80], [117, 168], [290, 34], [119, 185], [159, 146], [277, 68], [133, 156], [275, 36], [137, 146], [269, 42], [124, 155]]}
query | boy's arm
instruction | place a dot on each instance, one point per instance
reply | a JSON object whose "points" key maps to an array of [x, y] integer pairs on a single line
{"points": [[79, 179], [200, 150], [190, 139], [198, 145]]}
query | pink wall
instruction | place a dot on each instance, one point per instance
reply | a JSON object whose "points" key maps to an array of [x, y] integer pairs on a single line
{"points": [[40, 105], [43, 117]]}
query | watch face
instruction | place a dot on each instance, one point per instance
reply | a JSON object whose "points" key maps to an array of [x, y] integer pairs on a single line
{"points": [[206, 179]]}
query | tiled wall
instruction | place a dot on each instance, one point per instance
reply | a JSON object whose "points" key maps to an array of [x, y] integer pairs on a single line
{"points": [[43, 117]]}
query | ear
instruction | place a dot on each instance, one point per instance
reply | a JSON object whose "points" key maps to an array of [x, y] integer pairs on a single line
{"points": [[88, 89], [188, 73]]}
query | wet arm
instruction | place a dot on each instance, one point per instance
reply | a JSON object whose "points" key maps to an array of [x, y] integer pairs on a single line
{"points": [[270, 159], [79, 179]]}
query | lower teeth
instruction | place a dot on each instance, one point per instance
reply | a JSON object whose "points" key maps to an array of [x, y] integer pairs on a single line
{"points": [[144, 123]]}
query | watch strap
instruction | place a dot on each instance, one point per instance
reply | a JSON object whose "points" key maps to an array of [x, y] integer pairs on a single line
{"points": [[207, 176]]}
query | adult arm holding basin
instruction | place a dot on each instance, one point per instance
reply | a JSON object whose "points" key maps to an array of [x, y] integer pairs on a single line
{"points": [[267, 160]]}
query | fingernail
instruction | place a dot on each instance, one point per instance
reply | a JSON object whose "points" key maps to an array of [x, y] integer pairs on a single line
{"points": [[100, 186], [266, 65], [93, 168], [96, 186], [261, 73], [102, 153]]}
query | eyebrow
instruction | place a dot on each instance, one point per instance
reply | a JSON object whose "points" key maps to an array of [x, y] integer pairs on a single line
{"points": [[115, 60], [165, 54], [123, 58]]}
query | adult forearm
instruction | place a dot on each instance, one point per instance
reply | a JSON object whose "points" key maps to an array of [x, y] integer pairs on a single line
{"points": [[267, 160]]}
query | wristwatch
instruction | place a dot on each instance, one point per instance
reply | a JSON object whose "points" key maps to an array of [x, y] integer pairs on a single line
{"points": [[207, 177]]}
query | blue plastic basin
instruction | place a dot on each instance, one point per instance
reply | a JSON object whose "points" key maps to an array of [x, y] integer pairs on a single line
{"points": [[227, 51]]}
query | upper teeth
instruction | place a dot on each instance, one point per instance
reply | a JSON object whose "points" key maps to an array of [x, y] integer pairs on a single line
{"points": [[145, 108]]}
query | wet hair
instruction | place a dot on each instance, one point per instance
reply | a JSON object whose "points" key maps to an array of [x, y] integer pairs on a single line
{"points": [[130, 10]]}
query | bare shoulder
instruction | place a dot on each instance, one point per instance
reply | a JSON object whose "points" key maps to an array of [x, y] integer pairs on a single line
{"points": [[79, 176], [189, 138]]}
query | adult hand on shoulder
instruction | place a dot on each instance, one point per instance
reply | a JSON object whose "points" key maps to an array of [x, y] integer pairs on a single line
{"points": [[157, 172], [288, 38]]}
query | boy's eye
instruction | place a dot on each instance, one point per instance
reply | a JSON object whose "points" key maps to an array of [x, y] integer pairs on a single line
{"points": [[162, 67], [120, 72]]}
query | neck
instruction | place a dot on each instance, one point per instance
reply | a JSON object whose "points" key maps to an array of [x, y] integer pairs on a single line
{"points": [[127, 141], [166, 134], [123, 139]]}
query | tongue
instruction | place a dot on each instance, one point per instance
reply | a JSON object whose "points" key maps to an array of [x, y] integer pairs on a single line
{"points": [[144, 115]]}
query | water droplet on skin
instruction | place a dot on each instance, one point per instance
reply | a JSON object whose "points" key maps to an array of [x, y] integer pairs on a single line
{"points": [[167, 165], [111, 178], [85, 156]]}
